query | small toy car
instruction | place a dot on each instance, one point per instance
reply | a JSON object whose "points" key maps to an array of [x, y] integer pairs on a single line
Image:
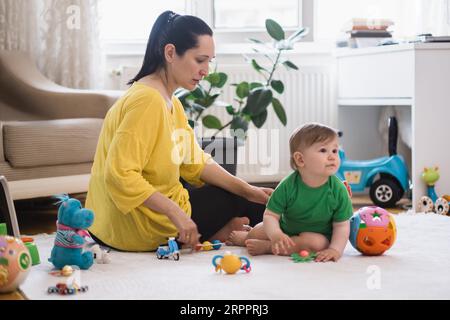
{"points": [[169, 251]]}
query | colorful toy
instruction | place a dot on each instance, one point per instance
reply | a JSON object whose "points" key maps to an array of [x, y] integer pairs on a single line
{"points": [[432, 202], [372, 231], [169, 251], [303, 256], [208, 246], [231, 263], [393, 181], [64, 289], [71, 234], [15, 263]]}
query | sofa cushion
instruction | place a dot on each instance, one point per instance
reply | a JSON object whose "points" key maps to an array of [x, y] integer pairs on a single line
{"points": [[50, 142]]}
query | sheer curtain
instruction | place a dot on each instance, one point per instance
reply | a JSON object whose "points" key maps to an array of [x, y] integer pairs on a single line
{"points": [[19, 26], [61, 35]]}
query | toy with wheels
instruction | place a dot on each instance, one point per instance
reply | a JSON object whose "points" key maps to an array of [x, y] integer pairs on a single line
{"points": [[393, 179], [169, 251], [433, 203], [15, 263], [231, 263], [372, 231]]}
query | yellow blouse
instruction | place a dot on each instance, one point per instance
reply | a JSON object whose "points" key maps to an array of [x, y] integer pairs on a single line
{"points": [[143, 148]]}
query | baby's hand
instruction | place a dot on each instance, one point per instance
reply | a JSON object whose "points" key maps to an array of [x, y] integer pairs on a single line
{"points": [[329, 254], [281, 242]]}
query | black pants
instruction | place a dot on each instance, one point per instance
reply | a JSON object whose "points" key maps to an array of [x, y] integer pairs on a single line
{"points": [[213, 208]]}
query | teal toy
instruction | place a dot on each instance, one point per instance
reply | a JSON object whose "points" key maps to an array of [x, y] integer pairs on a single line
{"points": [[71, 234]]}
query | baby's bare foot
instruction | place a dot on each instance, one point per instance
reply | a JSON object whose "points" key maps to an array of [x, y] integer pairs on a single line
{"points": [[237, 238], [257, 247], [235, 224]]}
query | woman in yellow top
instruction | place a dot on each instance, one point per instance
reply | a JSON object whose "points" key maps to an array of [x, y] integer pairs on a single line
{"points": [[146, 145]]}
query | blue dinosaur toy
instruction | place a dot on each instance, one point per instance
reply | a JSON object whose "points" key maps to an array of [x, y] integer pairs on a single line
{"points": [[70, 234]]}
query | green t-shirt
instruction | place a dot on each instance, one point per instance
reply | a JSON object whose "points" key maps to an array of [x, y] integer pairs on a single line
{"points": [[306, 209]]}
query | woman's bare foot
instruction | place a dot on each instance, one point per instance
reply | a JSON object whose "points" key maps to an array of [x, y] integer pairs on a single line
{"points": [[235, 224], [257, 247], [237, 238]]}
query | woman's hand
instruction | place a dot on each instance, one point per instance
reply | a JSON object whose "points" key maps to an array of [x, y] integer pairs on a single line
{"points": [[187, 229], [258, 194]]}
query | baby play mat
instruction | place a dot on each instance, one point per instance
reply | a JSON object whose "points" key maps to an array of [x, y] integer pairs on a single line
{"points": [[416, 267]]}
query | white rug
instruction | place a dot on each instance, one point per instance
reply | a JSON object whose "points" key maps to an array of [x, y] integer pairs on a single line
{"points": [[416, 267]]}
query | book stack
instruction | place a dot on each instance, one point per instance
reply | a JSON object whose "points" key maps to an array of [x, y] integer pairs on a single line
{"points": [[361, 33]]}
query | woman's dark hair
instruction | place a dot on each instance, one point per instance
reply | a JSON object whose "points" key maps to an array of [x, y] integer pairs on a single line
{"points": [[180, 30]]}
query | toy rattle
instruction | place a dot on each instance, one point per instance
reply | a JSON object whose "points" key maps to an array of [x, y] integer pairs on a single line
{"points": [[231, 263]]}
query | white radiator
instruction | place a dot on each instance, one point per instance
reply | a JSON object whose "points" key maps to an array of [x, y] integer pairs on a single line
{"points": [[309, 95]]}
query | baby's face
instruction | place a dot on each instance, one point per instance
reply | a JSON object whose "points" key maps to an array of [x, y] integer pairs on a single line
{"points": [[322, 158]]}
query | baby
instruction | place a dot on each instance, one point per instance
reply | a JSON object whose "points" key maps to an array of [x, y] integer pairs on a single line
{"points": [[310, 208]]}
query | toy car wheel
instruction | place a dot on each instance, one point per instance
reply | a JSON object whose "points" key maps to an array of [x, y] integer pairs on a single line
{"points": [[159, 256], [425, 204], [441, 206], [176, 256], [385, 193]]}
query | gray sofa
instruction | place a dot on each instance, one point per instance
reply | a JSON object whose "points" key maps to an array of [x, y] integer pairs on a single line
{"points": [[48, 133]]}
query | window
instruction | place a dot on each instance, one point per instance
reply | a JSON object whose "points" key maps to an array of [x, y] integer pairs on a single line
{"points": [[125, 21], [130, 20], [251, 14], [331, 15]]}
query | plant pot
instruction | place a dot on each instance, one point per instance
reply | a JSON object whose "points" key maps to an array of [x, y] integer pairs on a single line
{"points": [[223, 151]]}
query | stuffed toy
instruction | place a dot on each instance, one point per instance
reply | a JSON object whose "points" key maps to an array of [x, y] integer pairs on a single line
{"points": [[71, 234]]}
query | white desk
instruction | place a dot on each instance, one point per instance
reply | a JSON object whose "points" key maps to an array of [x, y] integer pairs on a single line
{"points": [[417, 75]]}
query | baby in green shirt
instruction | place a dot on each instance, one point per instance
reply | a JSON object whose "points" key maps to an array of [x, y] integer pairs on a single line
{"points": [[310, 208]]}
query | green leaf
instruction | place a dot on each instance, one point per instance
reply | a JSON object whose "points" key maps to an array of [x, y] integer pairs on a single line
{"points": [[260, 119], [297, 35], [274, 30], [230, 110], [197, 107], [278, 86], [289, 64], [256, 66], [191, 123], [255, 40], [243, 89], [279, 111], [213, 79], [239, 123], [223, 80], [257, 101], [211, 122], [254, 85], [199, 93]]}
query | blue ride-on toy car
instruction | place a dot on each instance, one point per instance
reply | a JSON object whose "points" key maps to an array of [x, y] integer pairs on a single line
{"points": [[387, 177]]}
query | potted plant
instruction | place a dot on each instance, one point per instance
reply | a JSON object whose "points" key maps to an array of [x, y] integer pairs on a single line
{"points": [[252, 99]]}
